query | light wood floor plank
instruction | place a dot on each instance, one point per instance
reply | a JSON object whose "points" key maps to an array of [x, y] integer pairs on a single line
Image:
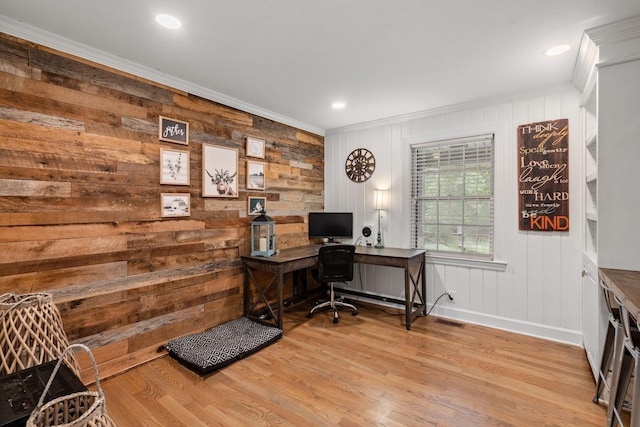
{"points": [[368, 370]]}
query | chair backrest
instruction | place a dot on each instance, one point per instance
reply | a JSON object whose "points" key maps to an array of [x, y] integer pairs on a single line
{"points": [[630, 326], [335, 263], [612, 303]]}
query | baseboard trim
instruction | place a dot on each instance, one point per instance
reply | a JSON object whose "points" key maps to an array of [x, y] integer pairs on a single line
{"points": [[551, 333]]}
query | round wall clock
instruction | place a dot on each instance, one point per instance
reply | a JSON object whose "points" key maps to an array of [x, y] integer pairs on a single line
{"points": [[360, 165]]}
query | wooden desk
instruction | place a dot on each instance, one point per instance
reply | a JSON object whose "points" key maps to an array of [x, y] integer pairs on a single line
{"points": [[292, 259], [625, 285]]}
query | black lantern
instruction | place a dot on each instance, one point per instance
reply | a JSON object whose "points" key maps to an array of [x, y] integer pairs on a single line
{"points": [[263, 235]]}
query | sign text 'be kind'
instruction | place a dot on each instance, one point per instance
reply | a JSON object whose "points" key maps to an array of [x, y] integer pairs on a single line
{"points": [[543, 176]]}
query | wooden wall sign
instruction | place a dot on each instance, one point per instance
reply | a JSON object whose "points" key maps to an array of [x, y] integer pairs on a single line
{"points": [[543, 176], [173, 130]]}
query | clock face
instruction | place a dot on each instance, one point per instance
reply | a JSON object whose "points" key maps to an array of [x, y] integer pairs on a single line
{"points": [[360, 165]]}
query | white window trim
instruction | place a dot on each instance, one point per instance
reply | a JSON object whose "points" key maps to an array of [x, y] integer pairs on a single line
{"points": [[485, 264], [501, 249]]}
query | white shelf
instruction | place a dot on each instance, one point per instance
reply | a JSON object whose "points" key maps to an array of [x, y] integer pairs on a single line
{"points": [[592, 216], [592, 139], [590, 260], [592, 177]]}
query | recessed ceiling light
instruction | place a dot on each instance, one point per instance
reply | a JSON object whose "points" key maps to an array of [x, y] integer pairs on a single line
{"points": [[557, 50], [338, 105], [168, 21]]}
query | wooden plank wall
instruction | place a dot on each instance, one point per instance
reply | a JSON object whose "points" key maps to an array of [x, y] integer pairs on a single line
{"points": [[80, 202]]}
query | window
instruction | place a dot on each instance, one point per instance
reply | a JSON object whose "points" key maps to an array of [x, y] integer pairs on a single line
{"points": [[452, 197]]}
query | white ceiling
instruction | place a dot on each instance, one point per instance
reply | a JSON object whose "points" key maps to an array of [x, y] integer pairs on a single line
{"points": [[288, 60]]}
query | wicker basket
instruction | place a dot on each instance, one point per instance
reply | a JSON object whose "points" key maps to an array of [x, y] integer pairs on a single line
{"points": [[31, 333], [85, 408]]}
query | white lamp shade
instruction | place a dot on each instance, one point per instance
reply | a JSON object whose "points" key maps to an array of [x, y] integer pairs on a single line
{"points": [[380, 199]]}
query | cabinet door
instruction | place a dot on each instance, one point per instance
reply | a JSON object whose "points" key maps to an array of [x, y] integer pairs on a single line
{"points": [[618, 164], [594, 317]]}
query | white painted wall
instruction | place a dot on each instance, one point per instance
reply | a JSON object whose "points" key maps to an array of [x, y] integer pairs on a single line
{"points": [[538, 291]]}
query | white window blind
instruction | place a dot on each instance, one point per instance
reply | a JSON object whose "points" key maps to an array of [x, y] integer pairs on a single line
{"points": [[452, 196]]}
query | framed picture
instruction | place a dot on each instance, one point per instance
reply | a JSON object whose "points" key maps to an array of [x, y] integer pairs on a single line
{"points": [[255, 175], [175, 204], [219, 171], [256, 205], [174, 167], [255, 147], [172, 130]]}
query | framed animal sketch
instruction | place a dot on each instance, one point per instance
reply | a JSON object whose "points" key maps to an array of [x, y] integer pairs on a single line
{"points": [[219, 171]]}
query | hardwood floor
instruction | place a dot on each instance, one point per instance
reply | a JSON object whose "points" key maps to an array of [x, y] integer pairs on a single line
{"points": [[368, 370]]}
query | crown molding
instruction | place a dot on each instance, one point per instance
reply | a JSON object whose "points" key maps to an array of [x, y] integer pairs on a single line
{"points": [[583, 72], [484, 102], [36, 35], [615, 32]]}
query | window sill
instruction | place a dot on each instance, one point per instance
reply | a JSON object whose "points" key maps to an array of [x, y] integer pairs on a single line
{"points": [[465, 262]]}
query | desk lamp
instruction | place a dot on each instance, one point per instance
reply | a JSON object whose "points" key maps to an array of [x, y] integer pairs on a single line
{"points": [[380, 202]]}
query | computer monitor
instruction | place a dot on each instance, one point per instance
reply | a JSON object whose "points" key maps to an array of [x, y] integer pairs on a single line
{"points": [[330, 225]]}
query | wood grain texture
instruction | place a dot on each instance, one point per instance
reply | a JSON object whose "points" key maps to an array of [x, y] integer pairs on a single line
{"points": [[368, 370], [80, 202]]}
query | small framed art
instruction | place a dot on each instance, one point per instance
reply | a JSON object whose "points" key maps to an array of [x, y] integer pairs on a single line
{"points": [[255, 147], [219, 171], [255, 175], [173, 130], [175, 204], [174, 167], [256, 205]]}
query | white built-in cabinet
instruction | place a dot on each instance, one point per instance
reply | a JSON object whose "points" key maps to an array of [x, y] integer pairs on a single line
{"points": [[594, 315], [611, 113]]}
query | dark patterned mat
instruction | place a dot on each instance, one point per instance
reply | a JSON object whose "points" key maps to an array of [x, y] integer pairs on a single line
{"points": [[213, 349]]}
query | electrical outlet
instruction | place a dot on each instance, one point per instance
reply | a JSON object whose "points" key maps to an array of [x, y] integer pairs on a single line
{"points": [[451, 293]]}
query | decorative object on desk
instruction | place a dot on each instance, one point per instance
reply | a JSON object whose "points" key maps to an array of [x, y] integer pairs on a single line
{"points": [[263, 235], [219, 171], [175, 204], [31, 333], [360, 165], [380, 203], [367, 231], [172, 130], [174, 167], [255, 175], [79, 409], [255, 147]]}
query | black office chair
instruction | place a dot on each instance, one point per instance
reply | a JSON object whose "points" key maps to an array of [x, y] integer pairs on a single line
{"points": [[335, 264]]}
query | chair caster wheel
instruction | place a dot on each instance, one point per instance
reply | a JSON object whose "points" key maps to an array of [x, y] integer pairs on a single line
{"points": [[310, 315], [354, 313], [335, 320]]}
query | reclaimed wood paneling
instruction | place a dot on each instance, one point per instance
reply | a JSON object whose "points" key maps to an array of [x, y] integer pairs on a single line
{"points": [[80, 202]]}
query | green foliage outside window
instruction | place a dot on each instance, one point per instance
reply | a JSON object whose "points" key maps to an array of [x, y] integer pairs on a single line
{"points": [[452, 195]]}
